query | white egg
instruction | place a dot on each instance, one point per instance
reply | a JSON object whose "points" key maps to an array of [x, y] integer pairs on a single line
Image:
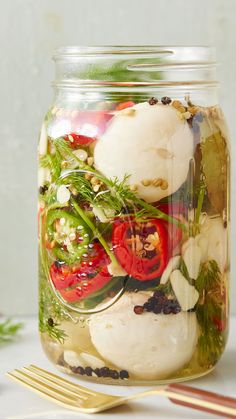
{"points": [[149, 346], [149, 143]]}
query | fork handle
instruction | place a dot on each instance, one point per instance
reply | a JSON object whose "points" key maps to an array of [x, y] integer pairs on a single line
{"points": [[202, 400]]}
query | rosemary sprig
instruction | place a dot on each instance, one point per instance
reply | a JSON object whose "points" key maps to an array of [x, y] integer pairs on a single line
{"points": [[8, 330]]}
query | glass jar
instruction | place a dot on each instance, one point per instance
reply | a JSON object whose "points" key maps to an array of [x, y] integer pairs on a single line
{"points": [[134, 215]]}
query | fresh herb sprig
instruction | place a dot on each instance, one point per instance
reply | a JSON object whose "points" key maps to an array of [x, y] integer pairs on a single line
{"points": [[51, 313], [8, 330], [211, 341]]}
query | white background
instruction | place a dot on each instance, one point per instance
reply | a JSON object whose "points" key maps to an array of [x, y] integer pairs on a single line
{"points": [[30, 30]]}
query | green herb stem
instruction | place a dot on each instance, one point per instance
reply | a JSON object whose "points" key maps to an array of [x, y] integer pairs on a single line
{"points": [[199, 204], [94, 230]]}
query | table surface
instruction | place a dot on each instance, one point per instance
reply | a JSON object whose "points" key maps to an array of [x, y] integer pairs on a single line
{"points": [[17, 402]]}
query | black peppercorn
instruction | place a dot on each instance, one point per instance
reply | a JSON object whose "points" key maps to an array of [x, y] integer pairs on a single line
{"points": [[114, 374], [80, 370], [43, 189], [124, 374], [153, 101], [165, 100], [157, 309], [58, 264], [105, 372], [98, 372], [88, 371], [50, 322]]}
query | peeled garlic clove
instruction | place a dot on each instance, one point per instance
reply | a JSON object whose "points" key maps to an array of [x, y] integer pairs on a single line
{"points": [[43, 141], [186, 294], [172, 264], [73, 359], [192, 258], [43, 176], [188, 243], [202, 242], [63, 194], [92, 361]]}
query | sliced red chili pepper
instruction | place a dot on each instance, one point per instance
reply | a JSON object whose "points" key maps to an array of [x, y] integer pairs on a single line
{"points": [[141, 248], [86, 288], [79, 140], [86, 277], [124, 105]]}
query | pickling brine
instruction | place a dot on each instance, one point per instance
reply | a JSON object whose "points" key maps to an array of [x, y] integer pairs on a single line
{"points": [[133, 217]]}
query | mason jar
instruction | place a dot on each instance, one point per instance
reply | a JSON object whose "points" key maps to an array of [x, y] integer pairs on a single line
{"points": [[134, 215]]}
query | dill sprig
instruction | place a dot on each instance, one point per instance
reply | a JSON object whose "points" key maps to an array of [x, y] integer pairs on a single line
{"points": [[50, 312], [209, 277], [8, 330], [211, 341]]}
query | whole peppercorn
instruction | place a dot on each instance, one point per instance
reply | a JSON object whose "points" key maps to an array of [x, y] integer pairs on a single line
{"points": [[165, 100], [50, 322], [114, 374], [98, 372], [157, 309], [124, 374], [43, 189], [153, 101], [138, 309], [88, 371], [105, 371], [58, 264], [80, 370]]}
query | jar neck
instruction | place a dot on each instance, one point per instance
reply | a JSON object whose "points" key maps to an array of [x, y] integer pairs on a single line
{"points": [[172, 71]]}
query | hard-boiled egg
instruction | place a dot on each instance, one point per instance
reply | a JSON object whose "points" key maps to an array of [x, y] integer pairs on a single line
{"points": [[149, 346], [151, 144]]}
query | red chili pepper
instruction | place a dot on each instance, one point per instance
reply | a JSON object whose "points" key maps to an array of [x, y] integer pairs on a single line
{"points": [[85, 278], [141, 248], [86, 288], [78, 140], [124, 105]]}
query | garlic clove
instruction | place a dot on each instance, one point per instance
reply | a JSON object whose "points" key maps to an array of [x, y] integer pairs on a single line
{"points": [[43, 141], [43, 176], [186, 294], [192, 257], [172, 264], [63, 194], [202, 242], [92, 361], [73, 359]]}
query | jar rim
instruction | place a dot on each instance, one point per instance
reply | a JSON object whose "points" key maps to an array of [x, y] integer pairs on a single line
{"points": [[201, 53], [136, 66]]}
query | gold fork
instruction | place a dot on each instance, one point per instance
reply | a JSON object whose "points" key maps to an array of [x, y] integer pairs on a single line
{"points": [[82, 399]]}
